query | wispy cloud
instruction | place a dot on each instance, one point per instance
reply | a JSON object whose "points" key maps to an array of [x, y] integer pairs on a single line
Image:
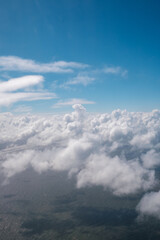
{"points": [[19, 83], [23, 109], [81, 79], [115, 71], [8, 98], [72, 101], [14, 63], [9, 90]]}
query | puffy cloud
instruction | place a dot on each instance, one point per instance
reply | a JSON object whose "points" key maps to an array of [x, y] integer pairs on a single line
{"points": [[121, 176], [14, 63], [150, 204], [119, 151], [151, 159]]}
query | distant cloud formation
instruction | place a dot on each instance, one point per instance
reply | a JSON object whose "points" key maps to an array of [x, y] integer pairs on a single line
{"points": [[112, 150], [9, 90], [14, 63], [72, 101]]}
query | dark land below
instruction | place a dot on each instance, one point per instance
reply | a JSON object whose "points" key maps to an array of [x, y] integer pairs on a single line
{"points": [[49, 206]]}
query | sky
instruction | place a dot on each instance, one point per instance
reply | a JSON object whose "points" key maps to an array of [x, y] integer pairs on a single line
{"points": [[102, 54], [97, 62]]}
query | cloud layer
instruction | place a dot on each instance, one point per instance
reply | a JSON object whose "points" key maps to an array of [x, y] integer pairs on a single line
{"points": [[118, 151]]}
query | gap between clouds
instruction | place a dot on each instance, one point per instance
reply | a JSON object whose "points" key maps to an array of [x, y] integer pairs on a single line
{"points": [[119, 151]]}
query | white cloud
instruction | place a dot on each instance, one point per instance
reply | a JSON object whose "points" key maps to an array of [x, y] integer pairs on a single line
{"points": [[81, 79], [150, 204], [71, 102], [9, 90], [115, 71], [14, 63], [19, 83], [8, 98], [100, 149], [121, 176], [151, 159]]}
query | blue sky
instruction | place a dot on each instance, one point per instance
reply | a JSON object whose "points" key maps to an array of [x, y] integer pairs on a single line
{"points": [[104, 54]]}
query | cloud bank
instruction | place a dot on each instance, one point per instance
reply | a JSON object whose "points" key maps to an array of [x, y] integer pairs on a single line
{"points": [[119, 151]]}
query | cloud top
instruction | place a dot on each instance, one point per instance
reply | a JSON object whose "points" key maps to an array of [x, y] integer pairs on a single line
{"points": [[119, 151]]}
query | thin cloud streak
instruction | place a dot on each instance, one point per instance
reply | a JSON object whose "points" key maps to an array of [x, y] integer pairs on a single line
{"points": [[14, 63], [15, 84], [71, 102], [115, 71], [22, 109], [9, 90], [9, 98]]}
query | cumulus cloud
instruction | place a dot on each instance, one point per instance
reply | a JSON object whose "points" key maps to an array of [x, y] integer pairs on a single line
{"points": [[150, 204], [121, 176], [151, 159], [119, 151], [14, 63], [9, 90]]}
